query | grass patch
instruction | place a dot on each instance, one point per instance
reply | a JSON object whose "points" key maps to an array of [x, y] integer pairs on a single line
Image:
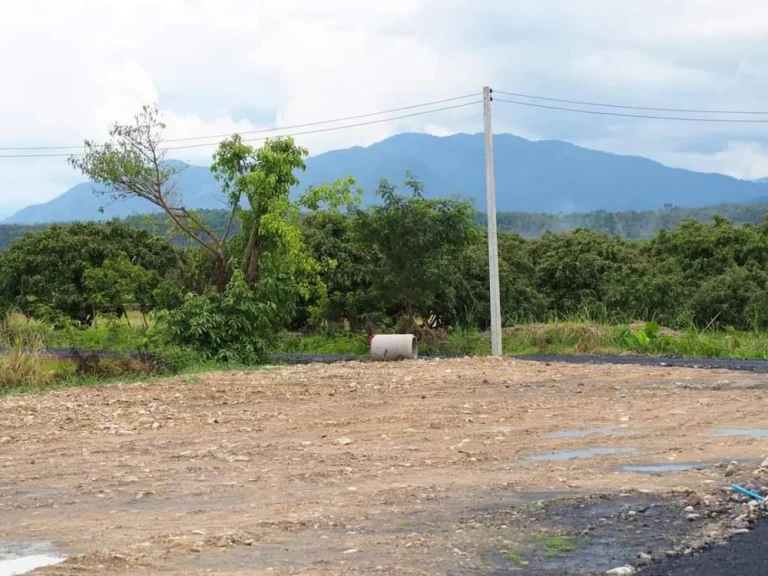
{"points": [[562, 338], [558, 544], [516, 557], [113, 334], [323, 344], [24, 364]]}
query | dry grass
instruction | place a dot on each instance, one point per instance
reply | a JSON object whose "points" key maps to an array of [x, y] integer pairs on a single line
{"points": [[24, 365], [580, 337]]}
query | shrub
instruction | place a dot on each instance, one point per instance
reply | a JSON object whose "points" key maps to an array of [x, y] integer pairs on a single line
{"points": [[100, 365], [229, 326]]}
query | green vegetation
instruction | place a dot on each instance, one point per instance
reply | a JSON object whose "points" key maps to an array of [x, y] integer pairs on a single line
{"points": [[72, 273], [564, 337], [558, 544], [318, 273], [516, 557], [632, 224]]}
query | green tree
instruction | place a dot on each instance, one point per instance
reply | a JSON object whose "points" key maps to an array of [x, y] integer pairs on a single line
{"points": [[520, 301], [69, 269], [414, 245], [132, 164], [119, 282], [583, 270], [260, 249]]}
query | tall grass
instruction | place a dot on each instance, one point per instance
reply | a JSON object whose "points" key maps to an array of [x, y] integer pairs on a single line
{"points": [[23, 363]]}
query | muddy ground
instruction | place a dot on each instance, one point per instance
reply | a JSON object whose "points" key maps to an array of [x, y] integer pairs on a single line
{"points": [[464, 466]]}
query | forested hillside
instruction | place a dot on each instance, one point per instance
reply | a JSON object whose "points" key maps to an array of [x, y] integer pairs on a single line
{"points": [[529, 225]]}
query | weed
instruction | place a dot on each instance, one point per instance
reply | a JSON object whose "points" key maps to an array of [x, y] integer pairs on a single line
{"points": [[342, 343], [558, 544], [516, 557], [23, 363], [101, 365]]}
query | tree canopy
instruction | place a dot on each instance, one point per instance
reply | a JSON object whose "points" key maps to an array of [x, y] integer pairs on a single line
{"points": [[80, 270]]}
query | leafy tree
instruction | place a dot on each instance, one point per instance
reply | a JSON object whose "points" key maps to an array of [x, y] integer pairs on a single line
{"points": [[260, 249], [576, 271], [117, 283], [133, 164], [414, 244], [520, 301], [69, 269], [343, 263]]}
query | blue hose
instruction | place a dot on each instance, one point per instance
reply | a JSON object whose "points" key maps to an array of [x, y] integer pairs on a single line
{"points": [[746, 492]]}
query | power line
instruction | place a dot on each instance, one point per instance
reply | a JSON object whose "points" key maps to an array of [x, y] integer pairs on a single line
{"points": [[626, 107], [330, 129], [645, 116], [344, 119], [272, 129]]}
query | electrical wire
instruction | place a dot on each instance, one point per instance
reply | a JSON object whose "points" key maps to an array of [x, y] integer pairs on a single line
{"points": [[644, 116], [272, 129], [330, 129], [647, 108]]}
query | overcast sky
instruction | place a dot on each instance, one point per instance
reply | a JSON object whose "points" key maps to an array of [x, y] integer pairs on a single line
{"points": [[70, 68]]}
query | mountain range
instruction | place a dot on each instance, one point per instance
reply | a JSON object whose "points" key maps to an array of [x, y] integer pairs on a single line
{"points": [[531, 176]]}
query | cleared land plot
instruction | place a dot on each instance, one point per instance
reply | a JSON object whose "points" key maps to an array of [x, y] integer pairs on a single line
{"points": [[427, 467]]}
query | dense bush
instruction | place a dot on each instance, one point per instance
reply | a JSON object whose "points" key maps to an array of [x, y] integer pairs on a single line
{"points": [[80, 270], [436, 268], [233, 325]]}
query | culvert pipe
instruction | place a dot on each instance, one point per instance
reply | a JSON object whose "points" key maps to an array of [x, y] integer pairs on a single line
{"points": [[394, 347]]}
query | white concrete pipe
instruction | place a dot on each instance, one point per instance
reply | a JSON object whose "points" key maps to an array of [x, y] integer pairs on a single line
{"points": [[394, 347]]}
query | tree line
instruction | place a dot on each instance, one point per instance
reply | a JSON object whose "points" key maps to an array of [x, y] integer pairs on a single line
{"points": [[226, 288], [630, 224]]}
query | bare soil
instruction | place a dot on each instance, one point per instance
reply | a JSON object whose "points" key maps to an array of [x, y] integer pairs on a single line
{"points": [[423, 467]]}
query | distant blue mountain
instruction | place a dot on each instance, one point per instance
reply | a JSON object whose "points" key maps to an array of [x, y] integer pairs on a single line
{"points": [[81, 202], [542, 176]]}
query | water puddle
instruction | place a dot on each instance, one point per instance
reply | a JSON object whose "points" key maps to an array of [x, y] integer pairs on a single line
{"points": [[662, 468], [562, 434], [23, 557], [743, 432], [578, 454]]}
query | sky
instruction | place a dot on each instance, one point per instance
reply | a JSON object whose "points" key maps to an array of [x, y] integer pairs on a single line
{"points": [[70, 69]]}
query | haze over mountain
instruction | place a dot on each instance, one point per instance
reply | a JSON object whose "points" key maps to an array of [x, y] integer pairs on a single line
{"points": [[531, 176]]}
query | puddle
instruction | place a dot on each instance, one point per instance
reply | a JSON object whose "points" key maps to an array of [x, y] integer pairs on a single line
{"points": [[581, 433], [662, 468], [585, 453], [743, 432], [23, 557]]}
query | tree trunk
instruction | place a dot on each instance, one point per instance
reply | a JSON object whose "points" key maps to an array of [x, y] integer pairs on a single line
{"points": [[222, 273], [251, 256]]}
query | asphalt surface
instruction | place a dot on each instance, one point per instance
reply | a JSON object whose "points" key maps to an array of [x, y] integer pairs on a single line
{"points": [[703, 363], [744, 555], [760, 366]]}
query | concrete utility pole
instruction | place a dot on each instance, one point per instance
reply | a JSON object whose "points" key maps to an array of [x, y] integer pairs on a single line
{"points": [[493, 248]]}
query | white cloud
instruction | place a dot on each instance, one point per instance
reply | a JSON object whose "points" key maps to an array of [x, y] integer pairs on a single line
{"points": [[214, 67], [739, 159]]}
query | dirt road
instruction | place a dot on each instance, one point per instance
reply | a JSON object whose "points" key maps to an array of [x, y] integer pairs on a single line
{"points": [[428, 467]]}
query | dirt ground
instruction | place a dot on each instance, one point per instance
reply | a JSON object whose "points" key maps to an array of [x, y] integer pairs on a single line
{"points": [[421, 467]]}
